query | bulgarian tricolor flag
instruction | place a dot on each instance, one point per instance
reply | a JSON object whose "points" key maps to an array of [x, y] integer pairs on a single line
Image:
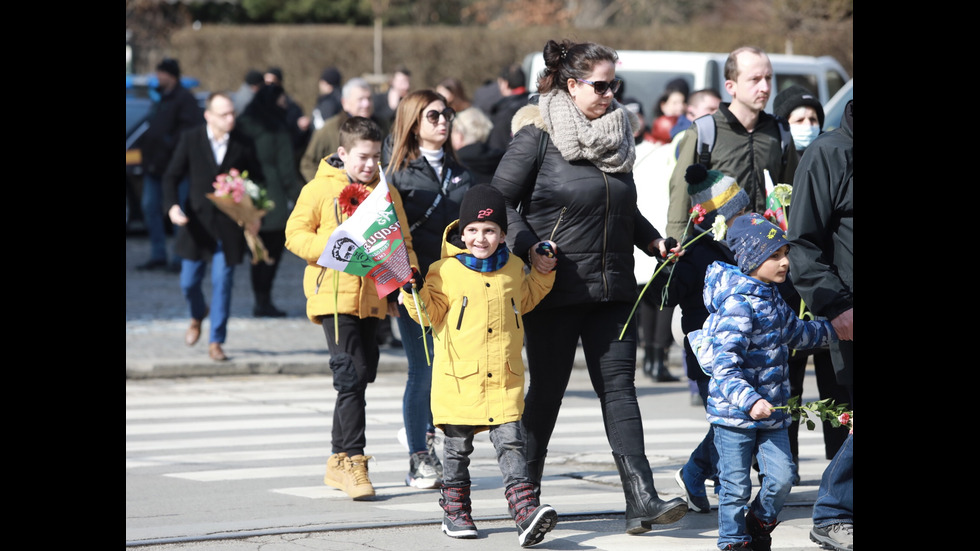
{"points": [[370, 243]]}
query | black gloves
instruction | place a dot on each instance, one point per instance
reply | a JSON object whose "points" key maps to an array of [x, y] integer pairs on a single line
{"points": [[417, 277]]}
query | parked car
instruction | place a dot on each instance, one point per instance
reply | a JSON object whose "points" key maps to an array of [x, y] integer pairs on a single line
{"points": [[139, 105], [646, 73], [834, 109]]}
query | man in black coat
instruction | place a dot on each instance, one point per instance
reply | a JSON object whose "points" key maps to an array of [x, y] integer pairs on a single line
{"points": [[513, 87], [203, 230], [176, 111], [822, 259]]}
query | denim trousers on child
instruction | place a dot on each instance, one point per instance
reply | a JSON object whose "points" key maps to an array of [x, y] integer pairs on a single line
{"points": [[703, 462], [354, 364], [835, 498], [416, 410], [222, 277], [508, 441], [736, 446]]}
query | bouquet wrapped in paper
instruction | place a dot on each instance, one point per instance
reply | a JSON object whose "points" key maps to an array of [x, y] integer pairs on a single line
{"points": [[244, 202]]}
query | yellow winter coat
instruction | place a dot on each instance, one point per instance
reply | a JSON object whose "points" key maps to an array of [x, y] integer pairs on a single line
{"points": [[315, 216], [478, 371]]}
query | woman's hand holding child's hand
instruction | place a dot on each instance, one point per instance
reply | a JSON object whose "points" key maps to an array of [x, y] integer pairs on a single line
{"points": [[544, 256]]}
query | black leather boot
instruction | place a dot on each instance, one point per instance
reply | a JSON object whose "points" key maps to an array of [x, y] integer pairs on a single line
{"points": [[660, 366], [643, 506]]}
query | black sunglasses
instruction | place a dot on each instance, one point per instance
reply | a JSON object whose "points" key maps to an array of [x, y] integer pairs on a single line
{"points": [[433, 116], [601, 86]]}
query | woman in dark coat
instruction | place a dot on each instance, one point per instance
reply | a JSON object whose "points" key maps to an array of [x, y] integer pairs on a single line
{"points": [[583, 198]]}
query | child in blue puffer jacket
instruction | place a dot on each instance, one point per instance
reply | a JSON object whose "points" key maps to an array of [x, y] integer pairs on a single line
{"points": [[744, 346]]}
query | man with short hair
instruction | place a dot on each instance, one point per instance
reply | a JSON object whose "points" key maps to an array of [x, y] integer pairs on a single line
{"points": [[700, 103], [747, 142], [203, 230], [747, 139], [513, 87], [356, 101], [175, 112]]}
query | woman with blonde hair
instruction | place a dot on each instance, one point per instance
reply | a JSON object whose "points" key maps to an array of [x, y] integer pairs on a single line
{"points": [[419, 161]]}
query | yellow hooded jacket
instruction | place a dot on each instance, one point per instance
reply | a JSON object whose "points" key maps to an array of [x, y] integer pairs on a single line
{"points": [[478, 370], [315, 216]]}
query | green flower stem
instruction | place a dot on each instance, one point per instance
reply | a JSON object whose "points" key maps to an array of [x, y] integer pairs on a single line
{"points": [[670, 258], [418, 312]]}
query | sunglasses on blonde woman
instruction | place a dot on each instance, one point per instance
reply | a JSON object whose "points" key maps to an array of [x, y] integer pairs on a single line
{"points": [[601, 86], [433, 116]]}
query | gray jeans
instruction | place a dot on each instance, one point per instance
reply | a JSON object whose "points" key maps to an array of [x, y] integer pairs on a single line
{"points": [[508, 440]]}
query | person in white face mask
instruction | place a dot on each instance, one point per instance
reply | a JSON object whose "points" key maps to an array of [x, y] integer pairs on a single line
{"points": [[803, 111]]}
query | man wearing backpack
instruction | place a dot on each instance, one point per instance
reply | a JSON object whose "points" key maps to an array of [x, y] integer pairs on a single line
{"points": [[747, 140]]}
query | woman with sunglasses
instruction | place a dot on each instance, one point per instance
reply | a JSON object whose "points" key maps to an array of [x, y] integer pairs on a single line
{"points": [[581, 196], [421, 164]]}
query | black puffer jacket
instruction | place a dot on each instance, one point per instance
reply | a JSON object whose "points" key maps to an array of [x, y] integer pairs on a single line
{"points": [[419, 186], [591, 215]]}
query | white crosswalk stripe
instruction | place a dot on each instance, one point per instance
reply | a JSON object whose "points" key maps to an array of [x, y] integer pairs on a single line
{"points": [[278, 434]]}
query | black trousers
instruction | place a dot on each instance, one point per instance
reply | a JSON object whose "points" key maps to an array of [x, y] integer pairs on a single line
{"points": [[354, 364], [551, 340], [263, 274]]}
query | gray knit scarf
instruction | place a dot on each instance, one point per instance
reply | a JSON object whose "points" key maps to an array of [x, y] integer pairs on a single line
{"points": [[606, 142]]}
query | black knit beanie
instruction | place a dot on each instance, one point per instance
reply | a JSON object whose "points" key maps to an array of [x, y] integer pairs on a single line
{"points": [[483, 203]]}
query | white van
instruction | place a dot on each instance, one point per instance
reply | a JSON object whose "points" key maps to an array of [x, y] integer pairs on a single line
{"points": [[646, 73]]}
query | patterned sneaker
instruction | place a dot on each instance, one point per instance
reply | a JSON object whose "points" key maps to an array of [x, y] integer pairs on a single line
{"points": [[335, 471], [431, 441], [839, 537], [459, 525], [536, 525], [695, 502], [356, 482], [421, 472]]}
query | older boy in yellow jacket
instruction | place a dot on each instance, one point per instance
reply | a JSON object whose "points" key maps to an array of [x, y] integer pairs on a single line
{"points": [[354, 352]]}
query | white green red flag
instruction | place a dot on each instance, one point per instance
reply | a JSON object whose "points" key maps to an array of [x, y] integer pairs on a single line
{"points": [[370, 243]]}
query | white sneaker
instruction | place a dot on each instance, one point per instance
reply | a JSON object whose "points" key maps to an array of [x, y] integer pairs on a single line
{"points": [[422, 473]]}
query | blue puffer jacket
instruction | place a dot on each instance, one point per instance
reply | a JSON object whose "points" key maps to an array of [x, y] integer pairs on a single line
{"points": [[744, 346]]}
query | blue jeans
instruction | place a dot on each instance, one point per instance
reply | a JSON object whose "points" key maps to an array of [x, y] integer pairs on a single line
{"points": [[736, 447], [152, 204], [222, 277], [416, 409], [703, 462], [835, 498], [508, 440]]}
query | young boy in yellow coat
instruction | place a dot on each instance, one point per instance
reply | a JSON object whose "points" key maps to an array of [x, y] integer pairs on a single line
{"points": [[473, 298], [354, 352]]}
